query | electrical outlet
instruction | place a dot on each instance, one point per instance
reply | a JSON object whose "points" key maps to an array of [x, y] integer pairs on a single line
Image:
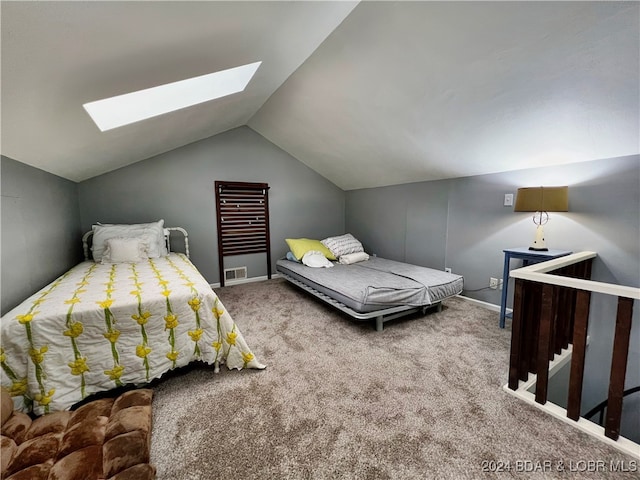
{"points": [[447, 269], [493, 283]]}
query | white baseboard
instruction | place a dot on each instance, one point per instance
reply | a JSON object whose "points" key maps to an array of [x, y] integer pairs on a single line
{"points": [[244, 280], [480, 303]]}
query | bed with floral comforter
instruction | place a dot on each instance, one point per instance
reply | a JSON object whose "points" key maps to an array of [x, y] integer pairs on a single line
{"points": [[101, 326]]}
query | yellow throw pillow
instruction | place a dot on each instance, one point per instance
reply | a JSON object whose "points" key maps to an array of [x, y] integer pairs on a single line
{"points": [[300, 246]]}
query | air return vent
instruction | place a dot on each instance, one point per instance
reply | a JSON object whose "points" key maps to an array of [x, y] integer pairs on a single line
{"points": [[235, 274]]}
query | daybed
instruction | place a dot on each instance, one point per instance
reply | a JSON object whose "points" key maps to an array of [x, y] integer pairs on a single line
{"points": [[368, 287], [131, 315]]}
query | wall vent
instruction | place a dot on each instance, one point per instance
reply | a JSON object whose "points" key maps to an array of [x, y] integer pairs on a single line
{"points": [[235, 274]]}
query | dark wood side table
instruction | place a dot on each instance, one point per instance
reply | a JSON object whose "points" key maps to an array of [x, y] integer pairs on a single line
{"points": [[528, 257]]}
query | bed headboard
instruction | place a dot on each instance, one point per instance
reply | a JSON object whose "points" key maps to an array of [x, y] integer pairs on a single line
{"points": [[167, 237]]}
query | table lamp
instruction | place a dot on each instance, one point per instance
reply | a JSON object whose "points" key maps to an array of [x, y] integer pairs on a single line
{"points": [[541, 200]]}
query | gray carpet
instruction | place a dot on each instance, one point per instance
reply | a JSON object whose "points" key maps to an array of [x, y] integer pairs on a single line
{"points": [[338, 400]]}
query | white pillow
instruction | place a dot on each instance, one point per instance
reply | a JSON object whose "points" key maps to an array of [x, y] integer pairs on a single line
{"points": [[316, 259], [152, 233], [351, 258], [125, 250], [343, 245]]}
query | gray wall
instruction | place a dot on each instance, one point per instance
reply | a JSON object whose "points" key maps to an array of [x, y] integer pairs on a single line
{"points": [[604, 203], [402, 222], [40, 230], [178, 186], [604, 198]]}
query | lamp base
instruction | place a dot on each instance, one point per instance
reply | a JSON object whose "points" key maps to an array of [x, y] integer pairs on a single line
{"points": [[539, 244]]}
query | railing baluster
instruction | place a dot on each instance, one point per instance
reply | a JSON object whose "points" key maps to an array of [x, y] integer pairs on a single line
{"points": [[544, 343], [618, 367], [524, 336], [516, 335], [561, 320], [553, 330], [576, 378], [570, 312], [529, 331]]}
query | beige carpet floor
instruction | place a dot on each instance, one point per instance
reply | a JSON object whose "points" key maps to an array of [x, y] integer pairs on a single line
{"points": [[423, 399]]}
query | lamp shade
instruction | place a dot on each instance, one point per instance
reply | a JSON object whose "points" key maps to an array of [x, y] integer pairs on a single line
{"points": [[542, 199]]}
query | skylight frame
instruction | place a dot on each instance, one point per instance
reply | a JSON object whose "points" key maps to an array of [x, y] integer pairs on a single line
{"points": [[114, 112]]}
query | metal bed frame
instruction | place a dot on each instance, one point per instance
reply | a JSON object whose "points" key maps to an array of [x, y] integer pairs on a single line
{"points": [[380, 316]]}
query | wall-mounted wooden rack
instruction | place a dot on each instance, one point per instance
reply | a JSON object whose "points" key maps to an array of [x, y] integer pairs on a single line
{"points": [[243, 221]]}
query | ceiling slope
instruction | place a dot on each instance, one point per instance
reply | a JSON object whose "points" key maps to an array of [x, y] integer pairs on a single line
{"points": [[399, 92], [56, 56], [409, 91]]}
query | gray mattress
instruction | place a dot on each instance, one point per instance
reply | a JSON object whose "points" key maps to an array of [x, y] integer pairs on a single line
{"points": [[377, 283]]}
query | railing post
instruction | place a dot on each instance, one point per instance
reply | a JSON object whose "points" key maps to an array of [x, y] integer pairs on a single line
{"points": [[576, 377], [618, 367]]}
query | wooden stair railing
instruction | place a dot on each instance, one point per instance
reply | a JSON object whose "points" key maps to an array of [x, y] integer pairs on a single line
{"points": [[550, 311]]}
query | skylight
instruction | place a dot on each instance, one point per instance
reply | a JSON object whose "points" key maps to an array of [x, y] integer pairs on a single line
{"points": [[132, 107]]}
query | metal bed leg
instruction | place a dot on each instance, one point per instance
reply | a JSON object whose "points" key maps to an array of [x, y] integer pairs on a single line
{"points": [[439, 307], [379, 323]]}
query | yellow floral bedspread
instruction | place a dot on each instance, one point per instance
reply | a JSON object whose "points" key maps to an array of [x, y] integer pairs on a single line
{"points": [[99, 327]]}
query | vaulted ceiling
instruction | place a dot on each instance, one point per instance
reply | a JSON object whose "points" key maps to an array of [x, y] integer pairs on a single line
{"points": [[366, 94]]}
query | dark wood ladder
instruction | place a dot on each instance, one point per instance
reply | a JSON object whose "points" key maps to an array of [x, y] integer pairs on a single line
{"points": [[243, 221]]}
